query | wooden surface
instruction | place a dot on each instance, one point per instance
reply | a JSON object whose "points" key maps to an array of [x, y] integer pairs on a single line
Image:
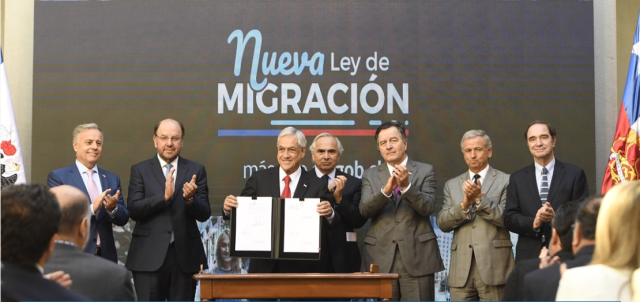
{"points": [[295, 286]]}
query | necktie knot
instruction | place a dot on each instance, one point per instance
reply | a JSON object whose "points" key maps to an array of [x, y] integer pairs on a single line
{"points": [[90, 172], [475, 178], [166, 173], [545, 171], [286, 193], [287, 180], [325, 179]]}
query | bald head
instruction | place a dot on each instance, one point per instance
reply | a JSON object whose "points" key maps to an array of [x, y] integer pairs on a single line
{"points": [[75, 207]]}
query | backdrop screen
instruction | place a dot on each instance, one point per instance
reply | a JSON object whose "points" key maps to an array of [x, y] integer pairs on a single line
{"points": [[237, 72]]}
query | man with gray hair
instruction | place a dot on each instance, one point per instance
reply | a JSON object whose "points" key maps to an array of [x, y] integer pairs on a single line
{"points": [[326, 150], [289, 180], [481, 255], [95, 278], [101, 186]]}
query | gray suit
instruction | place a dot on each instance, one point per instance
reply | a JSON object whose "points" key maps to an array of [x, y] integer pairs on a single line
{"points": [[404, 224], [93, 277], [481, 232]]}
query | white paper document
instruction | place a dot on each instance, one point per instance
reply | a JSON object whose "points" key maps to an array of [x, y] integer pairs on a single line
{"points": [[253, 224], [301, 226]]}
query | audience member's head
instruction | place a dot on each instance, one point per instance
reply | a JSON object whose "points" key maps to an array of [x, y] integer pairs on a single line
{"points": [[618, 229], [586, 221], [30, 218], [563, 222], [76, 215]]}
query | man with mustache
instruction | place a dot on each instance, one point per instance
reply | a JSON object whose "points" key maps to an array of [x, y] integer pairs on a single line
{"points": [[101, 186], [167, 194], [536, 191]]}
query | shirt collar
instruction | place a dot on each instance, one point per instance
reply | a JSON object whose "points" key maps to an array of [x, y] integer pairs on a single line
{"points": [[40, 268], [174, 163], [82, 169], [483, 173], [294, 175], [331, 175], [404, 163], [549, 166]]}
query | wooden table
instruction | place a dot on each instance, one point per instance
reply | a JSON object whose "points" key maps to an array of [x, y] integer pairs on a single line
{"points": [[296, 286]]}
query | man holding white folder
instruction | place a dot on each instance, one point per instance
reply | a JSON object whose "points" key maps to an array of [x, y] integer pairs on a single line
{"points": [[289, 180]]}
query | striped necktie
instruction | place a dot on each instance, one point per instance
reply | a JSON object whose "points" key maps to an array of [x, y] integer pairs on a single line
{"points": [[544, 189]]}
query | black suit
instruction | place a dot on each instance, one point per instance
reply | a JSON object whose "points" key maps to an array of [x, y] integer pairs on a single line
{"points": [[542, 285], [345, 256], [95, 278], [20, 283], [568, 183], [513, 289], [265, 183], [156, 219]]}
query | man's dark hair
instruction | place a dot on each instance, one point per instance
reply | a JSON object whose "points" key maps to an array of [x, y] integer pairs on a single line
{"points": [[588, 216], [563, 222], [72, 213], [30, 217], [155, 129], [552, 130], [390, 124]]}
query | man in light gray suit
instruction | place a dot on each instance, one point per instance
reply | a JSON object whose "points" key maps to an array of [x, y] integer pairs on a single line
{"points": [[399, 196], [481, 254], [93, 277]]}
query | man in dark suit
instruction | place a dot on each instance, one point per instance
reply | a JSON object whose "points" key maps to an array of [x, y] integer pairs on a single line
{"points": [[542, 285], [559, 249], [167, 194], [399, 196], [101, 186], [30, 217], [287, 180], [326, 150], [95, 278], [536, 191]]}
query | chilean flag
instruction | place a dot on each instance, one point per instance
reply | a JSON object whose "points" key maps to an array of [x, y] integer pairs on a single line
{"points": [[624, 161]]}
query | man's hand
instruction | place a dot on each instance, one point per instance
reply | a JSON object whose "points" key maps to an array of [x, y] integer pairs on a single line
{"points": [[111, 202], [60, 277], [189, 188], [324, 208], [390, 185], [471, 193], [95, 206], [168, 185], [230, 202], [545, 214], [338, 183], [402, 176]]}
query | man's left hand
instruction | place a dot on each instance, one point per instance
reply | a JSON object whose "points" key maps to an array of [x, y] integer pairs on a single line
{"points": [[402, 176], [189, 188], [338, 183], [324, 208]]}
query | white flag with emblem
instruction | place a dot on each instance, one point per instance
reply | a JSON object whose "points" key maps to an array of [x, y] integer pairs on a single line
{"points": [[10, 153]]}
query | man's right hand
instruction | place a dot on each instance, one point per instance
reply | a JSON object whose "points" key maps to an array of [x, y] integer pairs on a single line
{"points": [[545, 214], [95, 206], [391, 185], [60, 277], [169, 188], [230, 202]]}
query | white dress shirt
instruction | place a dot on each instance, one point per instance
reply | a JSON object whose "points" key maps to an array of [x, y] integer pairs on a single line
{"points": [[96, 179], [293, 184], [391, 168], [174, 163], [549, 167]]}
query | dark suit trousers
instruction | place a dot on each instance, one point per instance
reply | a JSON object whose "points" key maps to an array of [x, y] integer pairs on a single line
{"points": [[167, 283]]}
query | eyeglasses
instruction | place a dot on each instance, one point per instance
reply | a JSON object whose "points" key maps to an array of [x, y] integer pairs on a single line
{"points": [[174, 139]]}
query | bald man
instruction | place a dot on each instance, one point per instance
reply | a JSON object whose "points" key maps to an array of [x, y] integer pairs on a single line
{"points": [[95, 278], [167, 195]]}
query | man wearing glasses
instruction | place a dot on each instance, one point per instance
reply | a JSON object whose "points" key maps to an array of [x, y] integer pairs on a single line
{"points": [[167, 194]]}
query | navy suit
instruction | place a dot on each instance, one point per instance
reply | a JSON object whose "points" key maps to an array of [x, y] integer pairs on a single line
{"points": [[569, 183], [345, 255], [101, 223]]}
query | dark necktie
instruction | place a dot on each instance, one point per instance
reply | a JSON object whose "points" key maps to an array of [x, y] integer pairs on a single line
{"points": [[325, 180], [475, 178], [544, 189], [286, 193]]}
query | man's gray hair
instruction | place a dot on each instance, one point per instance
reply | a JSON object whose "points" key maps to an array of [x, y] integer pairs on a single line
{"points": [[84, 127], [313, 144], [474, 133], [302, 141]]}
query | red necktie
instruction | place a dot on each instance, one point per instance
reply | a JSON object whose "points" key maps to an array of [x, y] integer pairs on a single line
{"points": [[286, 193]]}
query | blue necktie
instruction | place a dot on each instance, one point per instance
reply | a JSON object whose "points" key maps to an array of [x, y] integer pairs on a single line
{"points": [[544, 189], [475, 178]]}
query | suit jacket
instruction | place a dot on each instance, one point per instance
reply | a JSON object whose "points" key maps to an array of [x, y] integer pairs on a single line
{"points": [[568, 183], [101, 223], [96, 279], [480, 232], [405, 222], [265, 183], [345, 256], [542, 285], [155, 218], [20, 283], [513, 289]]}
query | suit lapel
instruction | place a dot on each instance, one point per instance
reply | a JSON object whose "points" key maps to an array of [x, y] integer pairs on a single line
{"points": [[303, 184], [533, 185], [103, 181], [157, 170], [556, 179], [488, 180], [274, 182], [76, 178]]}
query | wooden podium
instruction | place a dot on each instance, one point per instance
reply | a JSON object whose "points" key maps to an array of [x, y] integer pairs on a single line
{"points": [[296, 286]]}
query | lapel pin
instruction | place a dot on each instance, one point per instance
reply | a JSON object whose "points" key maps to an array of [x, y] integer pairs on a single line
{"points": [[103, 176], [305, 185]]}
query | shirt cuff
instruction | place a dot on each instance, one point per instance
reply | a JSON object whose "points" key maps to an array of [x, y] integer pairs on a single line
{"points": [[381, 190], [112, 214], [333, 214], [226, 213], [405, 190]]}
